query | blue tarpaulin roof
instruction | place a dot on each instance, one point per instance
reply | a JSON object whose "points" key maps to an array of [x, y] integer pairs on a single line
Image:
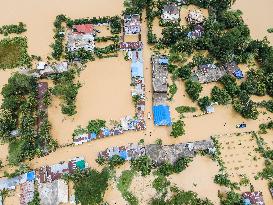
{"points": [[163, 61], [30, 176], [93, 135], [123, 154], [238, 74], [137, 69], [162, 115]]}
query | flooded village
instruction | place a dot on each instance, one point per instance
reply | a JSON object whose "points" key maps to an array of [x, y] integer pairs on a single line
{"points": [[136, 102]]}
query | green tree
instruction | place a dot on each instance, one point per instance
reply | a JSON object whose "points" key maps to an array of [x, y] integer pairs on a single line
{"points": [[142, 164], [220, 96], [193, 89], [90, 186], [204, 103]]}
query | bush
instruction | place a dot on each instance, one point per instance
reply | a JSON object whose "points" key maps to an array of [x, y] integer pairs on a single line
{"points": [[115, 161], [161, 183], [94, 126], [185, 72], [9, 29], [123, 186], [184, 109], [178, 129], [142, 164]]}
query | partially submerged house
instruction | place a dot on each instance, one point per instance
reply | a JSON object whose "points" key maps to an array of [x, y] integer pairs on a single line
{"points": [[81, 37], [197, 32], [53, 193], [160, 73], [170, 13], [131, 46], [208, 73], [44, 69], [161, 154], [195, 17], [253, 198], [233, 69], [132, 24], [10, 184], [132, 151], [161, 110]]}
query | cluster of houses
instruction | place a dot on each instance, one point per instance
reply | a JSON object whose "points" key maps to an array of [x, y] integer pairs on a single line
{"points": [[51, 187], [161, 111], [81, 37], [134, 51], [159, 154], [212, 73]]}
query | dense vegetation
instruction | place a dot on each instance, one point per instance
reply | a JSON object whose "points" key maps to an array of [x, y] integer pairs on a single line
{"points": [[16, 29], [13, 53], [90, 185], [18, 114]]}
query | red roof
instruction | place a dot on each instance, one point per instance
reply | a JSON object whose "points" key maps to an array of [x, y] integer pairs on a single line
{"points": [[84, 28]]}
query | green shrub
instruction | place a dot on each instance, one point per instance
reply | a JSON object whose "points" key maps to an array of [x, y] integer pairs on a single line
{"points": [[142, 164], [178, 129]]}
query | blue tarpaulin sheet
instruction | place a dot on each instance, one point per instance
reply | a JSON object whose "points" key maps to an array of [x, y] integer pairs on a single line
{"points": [[162, 115], [30, 176]]}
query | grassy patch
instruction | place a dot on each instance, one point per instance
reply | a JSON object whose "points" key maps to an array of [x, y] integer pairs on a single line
{"points": [[13, 53], [123, 186]]}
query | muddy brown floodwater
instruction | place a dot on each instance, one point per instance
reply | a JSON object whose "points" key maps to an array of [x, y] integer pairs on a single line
{"points": [[105, 93]]}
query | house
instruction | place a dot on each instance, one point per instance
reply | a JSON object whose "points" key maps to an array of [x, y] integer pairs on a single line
{"points": [[170, 13], [44, 69], [253, 198], [131, 46], [161, 154], [159, 73], [83, 29], [160, 98], [195, 17], [132, 151], [132, 24], [77, 41], [208, 73], [53, 193], [197, 32], [137, 70], [233, 69], [162, 115]]}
